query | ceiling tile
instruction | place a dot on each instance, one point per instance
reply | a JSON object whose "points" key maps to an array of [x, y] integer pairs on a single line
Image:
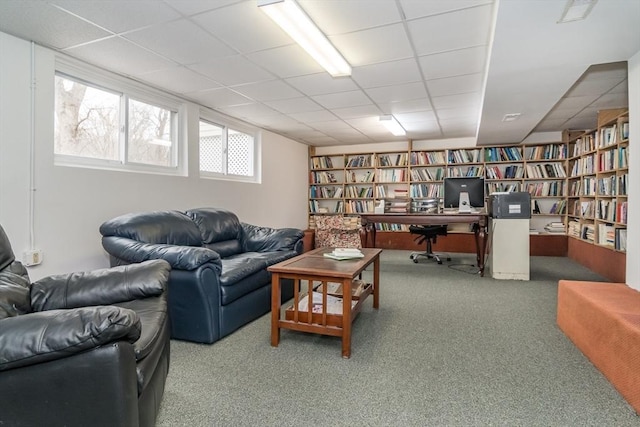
{"points": [[594, 86], [120, 15], [116, 53], [419, 8], [170, 40], [454, 63], [454, 101], [375, 45], [397, 93], [455, 85], [417, 116], [232, 70], [217, 98], [357, 111], [267, 91], [406, 106], [191, 7], [321, 83], [463, 29], [345, 16], [179, 80], [244, 27], [248, 111], [313, 116], [49, 25], [387, 73], [286, 61], [294, 105], [343, 99]]}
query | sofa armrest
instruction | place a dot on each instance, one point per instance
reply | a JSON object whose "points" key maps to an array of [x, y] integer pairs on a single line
{"points": [[40, 337], [266, 239], [100, 287], [179, 257]]}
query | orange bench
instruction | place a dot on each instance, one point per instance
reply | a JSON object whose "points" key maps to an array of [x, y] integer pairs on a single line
{"points": [[603, 321]]}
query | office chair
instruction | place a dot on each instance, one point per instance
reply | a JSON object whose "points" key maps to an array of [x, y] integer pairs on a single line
{"points": [[428, 234]]}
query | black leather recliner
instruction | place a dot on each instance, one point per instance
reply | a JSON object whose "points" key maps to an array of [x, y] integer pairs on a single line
{"points": [[82, 349]]}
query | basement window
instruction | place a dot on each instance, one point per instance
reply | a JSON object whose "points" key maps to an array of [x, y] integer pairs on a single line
{"points": [[107, 127], [227, 153]]}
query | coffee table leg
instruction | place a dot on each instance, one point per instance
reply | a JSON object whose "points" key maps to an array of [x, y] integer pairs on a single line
{"points": [[376, 282], [346, 318], [275, 309]]}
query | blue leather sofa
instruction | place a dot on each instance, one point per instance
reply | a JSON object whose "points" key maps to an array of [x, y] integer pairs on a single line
{"points": [[219, 279]]}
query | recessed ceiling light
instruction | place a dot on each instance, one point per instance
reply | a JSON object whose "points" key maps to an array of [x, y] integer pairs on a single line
{"points": [[511, 117], [576, 10]]}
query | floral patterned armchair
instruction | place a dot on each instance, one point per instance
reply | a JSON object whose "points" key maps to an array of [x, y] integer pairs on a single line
{"points": [[337, 231]]}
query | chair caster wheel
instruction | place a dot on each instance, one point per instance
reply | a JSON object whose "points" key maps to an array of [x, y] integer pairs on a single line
{"points": [[448, 258], [439, 262], [415, 260]]}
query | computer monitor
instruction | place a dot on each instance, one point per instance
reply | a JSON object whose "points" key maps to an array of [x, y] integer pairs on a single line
{"points": [[464, 193]]}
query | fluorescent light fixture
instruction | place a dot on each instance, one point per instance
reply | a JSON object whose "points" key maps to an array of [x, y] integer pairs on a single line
{"points": [[576, 10], [392, 125], [292, 19]]}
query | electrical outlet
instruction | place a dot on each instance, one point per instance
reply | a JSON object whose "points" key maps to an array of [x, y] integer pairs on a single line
{"points": [[32, 257]]}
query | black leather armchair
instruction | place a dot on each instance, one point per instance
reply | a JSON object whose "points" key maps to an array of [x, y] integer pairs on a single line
{"points": [[82, 349]]}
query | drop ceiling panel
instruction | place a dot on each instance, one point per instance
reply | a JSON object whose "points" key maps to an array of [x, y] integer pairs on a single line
{"points": [[357, 111], [218, 98], [381, 44], [267, 91], [455, 85], [294, 105], [192, 7], [286, 61], [387, 73], [41, 21], [244, 27], [109, 14], [406, 106], [169, 40], [418, 9], [311, 117], [345, 16], [179, 79], [454, 63], [321, 83], [116, 53], [232, 70], [463, 29], [343, 99], [397, 93]]}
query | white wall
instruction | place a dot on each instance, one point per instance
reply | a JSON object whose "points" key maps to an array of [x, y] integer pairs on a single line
{"points": [[633, 226], [70, 203]]}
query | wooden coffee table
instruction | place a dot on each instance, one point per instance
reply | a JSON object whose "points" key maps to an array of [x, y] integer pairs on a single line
{"points": [[313, 267]]}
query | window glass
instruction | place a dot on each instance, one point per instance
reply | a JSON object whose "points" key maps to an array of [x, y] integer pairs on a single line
{"points": [[149, 134], [211, 148], [86, 121], [95, 123], [225, 151]]}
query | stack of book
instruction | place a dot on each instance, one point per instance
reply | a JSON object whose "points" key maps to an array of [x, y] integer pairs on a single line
{"points": [[344, 253], [554, 227]]}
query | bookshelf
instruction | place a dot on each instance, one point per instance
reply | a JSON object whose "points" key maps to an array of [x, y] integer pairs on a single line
{"points": [[597, 182], [356, 182]]}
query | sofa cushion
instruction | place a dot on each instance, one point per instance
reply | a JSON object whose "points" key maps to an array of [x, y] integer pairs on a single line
{"points": [[271, 258], [14, 291], [257, 281], [163, 227], [237, 267], [220, 229]]}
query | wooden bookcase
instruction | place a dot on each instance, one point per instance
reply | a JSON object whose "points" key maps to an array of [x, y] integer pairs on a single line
{"points": [[356, 182], [598, 180]]}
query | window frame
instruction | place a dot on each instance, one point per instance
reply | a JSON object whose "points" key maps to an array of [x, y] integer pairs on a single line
{"points": [[127, 90], [226, 124]]}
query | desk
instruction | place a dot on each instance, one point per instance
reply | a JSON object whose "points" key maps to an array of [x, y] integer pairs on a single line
{"points": [[480, 221]]}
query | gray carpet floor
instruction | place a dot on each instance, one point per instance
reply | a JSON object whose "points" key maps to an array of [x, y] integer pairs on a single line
{"points": [[446, 348]]}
